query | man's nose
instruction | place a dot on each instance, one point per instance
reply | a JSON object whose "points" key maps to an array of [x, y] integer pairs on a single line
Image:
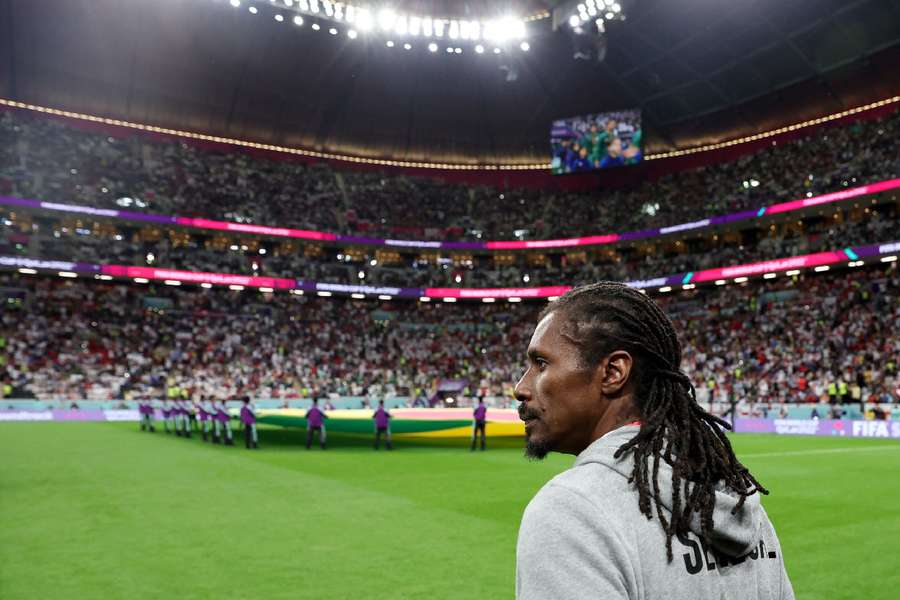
{"points": [[522, 390]]}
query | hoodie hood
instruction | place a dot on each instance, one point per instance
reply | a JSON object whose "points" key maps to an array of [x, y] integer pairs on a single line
{"points": [[732, 534]]}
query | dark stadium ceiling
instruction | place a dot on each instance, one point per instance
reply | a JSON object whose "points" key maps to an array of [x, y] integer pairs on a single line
{"points": [[702, 70]]}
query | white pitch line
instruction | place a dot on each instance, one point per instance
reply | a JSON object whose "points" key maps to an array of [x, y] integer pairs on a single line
{"points": [[820, 451]]}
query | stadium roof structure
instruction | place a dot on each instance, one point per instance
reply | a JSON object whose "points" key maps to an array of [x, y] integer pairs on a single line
{"points": [[702, 71]]}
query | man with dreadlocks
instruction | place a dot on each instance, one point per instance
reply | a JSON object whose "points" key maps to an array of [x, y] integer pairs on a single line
{"points": [[656, 504]]}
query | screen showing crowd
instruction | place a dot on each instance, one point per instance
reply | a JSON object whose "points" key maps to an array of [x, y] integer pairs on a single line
{"points": [[599, 141]]}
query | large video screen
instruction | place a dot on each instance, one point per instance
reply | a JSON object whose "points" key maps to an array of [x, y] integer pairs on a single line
{"points": [[599, 141]]}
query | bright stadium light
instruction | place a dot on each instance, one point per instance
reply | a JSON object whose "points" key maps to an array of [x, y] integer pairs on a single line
{"points": [[525, 46], [514, 299], [315, 27], [252, 10], [333, 31], [68, 274], [424, 299], [384, 297], [449, 299], [458, 50], [770, 276], [488, 300], [206, 285], [173, 282], [279, 18], [389, 43], [235, 3], [266, 290], [574, 21], [665, 289], [793, 272], [889, 259], [27, 271], [351, 34], [236, 288], [479, 49], [103, 277], [822, 268], [323, 294], [141, 280], [432, 47], [740, 279], [721, 282], [386, 19], [496, 50]]}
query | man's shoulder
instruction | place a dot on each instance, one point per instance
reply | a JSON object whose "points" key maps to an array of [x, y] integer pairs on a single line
{"points": [[587, 487]]}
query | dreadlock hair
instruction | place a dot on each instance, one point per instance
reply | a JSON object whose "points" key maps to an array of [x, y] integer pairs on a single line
{"points": [[606, 316]]}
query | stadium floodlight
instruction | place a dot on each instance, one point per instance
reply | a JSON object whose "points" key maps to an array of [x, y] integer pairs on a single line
{"points": [[770, 276], [389, 43], [889, 259], [252, 10], [373, 262], [449, 299], [141, 280], [361, 274], [479, 49], [297, 292], [688, 286], [432, 47], [453, 30], [496, 50], [427, 27], [27, 271], [315, 27], [401, 27], [574, 21], [458, 50], [525, 46], [488, 300], [235, 3], [206, 285], [526, 278], [384, 297], [386, 19], [236, 288], [424, 299], [303, 4], [329, 7], [333, 31], [514, 299], [103, 277], [279, 18], [793, 272], [288, 3], [358, 296], [173, 282], [740, 279], [821, 268], [68, 274], [665, 289], [266, 290], [415, 25], [364, 20], [407, 46], [323, 294], [262, 250], [449, 50], [721, 282]]}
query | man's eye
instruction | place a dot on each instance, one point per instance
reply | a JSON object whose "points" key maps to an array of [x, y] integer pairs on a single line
{"points": [[541, 363]]}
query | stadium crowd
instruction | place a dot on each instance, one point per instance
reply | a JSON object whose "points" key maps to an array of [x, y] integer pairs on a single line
{"points": [[828, 337], [51, 159]]}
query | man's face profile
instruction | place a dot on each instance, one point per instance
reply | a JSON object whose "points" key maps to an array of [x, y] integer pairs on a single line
{"points": [[559, 399]]}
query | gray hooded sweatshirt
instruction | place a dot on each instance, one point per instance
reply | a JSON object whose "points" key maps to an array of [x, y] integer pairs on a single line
{"points": [[583, 536]]}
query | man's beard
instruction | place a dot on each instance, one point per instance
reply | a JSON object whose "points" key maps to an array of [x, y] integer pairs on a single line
{"points": [[535, 450]]}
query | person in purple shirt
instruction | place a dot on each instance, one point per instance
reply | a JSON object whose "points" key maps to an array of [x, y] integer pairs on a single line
{"points": [[248, 419], [204, 418], [480, 415], [167, 414], [315, 422], [145, 408], [382, 425], [224, 421]]}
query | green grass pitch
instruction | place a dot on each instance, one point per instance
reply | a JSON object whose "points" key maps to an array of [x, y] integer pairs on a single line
{"points": [[100, 510]]}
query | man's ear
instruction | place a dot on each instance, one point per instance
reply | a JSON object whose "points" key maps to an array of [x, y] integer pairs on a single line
{"points": [[615, 372]]}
